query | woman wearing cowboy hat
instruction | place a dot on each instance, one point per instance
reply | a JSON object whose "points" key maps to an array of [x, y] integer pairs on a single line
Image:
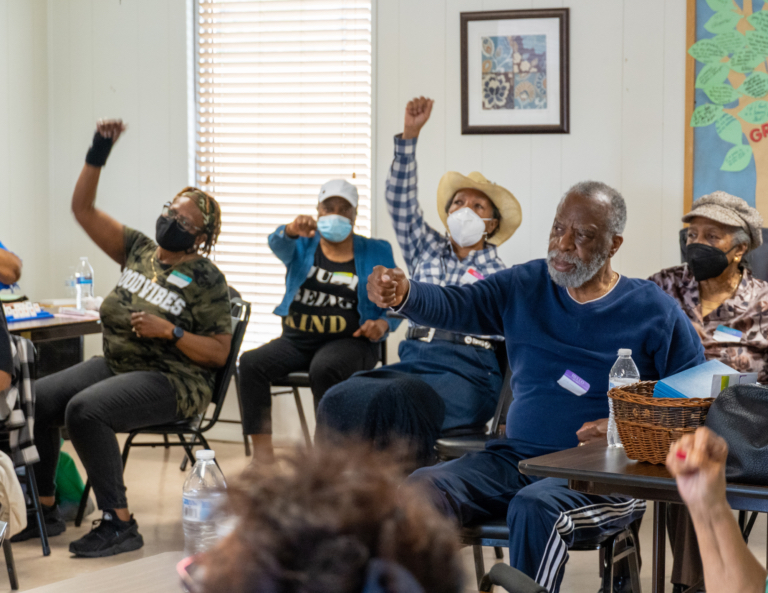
{"points": [[444, 380]]}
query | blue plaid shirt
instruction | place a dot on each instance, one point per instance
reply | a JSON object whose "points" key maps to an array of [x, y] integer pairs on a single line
{"points": [[428, 254]]}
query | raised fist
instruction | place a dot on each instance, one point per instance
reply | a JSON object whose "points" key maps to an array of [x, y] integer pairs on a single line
{"points": [[303, 226]]}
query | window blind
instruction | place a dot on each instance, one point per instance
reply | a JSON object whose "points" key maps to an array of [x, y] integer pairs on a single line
{"points": [[283, 105]]}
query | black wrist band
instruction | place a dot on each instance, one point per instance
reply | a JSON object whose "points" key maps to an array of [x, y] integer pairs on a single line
{"points": [[99, 150]]}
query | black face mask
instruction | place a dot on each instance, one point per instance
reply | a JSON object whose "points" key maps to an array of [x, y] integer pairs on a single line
{"points": [[706, 261], [170, 236]]}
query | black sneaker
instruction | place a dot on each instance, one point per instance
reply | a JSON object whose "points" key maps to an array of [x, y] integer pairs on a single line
{"points": [[54, 525], [108, 537]]}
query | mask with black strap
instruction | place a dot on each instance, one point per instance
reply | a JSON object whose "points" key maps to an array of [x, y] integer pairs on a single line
{"points": [[706, 261]]}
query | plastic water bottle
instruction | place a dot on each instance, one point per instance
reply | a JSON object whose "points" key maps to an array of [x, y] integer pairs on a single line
{"points": [[203, 494], [83, 283], [623, 372]]}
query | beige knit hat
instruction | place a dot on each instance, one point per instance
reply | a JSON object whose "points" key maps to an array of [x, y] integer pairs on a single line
{"points": [[732, 211]]}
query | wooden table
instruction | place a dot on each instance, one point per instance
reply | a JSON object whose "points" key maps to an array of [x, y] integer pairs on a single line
{"points": [[155, 574], [59, 340], [597, 469], [55, 328]]}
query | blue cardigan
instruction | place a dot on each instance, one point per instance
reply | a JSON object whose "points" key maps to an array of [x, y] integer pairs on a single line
{"points": [[298, 255]]}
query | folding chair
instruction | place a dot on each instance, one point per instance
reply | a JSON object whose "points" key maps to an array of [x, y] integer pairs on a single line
{"points": [[191, 427]]}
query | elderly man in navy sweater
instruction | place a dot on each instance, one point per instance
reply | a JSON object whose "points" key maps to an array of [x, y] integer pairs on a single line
{"points": [[561, 317]]}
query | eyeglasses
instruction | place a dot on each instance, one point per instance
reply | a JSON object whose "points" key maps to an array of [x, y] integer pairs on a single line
{"points": [[184, 223]]}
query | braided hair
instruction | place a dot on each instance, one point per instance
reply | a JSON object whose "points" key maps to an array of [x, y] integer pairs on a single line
{"points": [[211, 212]]}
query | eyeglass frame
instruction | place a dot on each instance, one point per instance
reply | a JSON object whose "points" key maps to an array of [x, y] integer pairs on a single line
{"points": [[168, 212]]}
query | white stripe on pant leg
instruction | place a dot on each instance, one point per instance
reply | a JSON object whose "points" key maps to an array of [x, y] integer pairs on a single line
{"points": [[589, 516]]}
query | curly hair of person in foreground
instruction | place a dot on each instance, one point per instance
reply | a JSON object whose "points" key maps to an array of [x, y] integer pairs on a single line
{"points": [[333, 520]]}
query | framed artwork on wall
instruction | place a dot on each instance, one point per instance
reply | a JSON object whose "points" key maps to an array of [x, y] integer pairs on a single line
{"points": [[514, 72], [726, 138]]}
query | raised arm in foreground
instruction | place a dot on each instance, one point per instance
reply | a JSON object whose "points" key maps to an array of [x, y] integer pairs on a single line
{"points": [[698, 463]]}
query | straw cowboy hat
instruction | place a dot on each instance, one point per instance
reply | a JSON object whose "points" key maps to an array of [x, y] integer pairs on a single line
{"points": [[509, 207]]}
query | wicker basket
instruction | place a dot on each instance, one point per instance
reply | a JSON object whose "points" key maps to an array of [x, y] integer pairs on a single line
{"points": [[648, 425]]}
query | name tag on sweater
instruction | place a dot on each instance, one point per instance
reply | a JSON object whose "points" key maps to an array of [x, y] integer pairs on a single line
{"points": [[726, 334], [471, 276], [573, 383], [179, 279]]}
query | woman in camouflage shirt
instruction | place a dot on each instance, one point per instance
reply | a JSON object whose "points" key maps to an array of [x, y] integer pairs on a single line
{"points": [[166, 327]]}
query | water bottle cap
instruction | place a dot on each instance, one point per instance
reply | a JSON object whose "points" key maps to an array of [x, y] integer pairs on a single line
{"points": [[205, 455], [625, 352]]}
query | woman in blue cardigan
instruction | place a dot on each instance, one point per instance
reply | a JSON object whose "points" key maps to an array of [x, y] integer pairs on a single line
{"points": [[330, 328]]}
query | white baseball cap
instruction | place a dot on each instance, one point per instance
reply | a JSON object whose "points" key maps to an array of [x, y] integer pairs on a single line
{"points": [[340, 188]]}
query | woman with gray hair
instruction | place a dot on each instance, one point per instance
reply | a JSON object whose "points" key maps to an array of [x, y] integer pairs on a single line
{"points": [[726, 305]]}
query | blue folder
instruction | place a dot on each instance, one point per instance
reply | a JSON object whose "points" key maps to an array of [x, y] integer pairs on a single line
{"points": [[695, 382]]}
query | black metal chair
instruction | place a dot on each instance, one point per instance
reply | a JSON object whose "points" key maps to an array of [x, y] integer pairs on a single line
{"points": [[191, 427], [496, 534], [292, 382], [451, 446], [8, 552]]}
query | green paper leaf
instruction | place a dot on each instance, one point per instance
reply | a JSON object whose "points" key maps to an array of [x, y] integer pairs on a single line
{"points": [[707, 51], [705, 115], [755, 113], [712, 75], [737, 158], [730, 41], [718, 5], [758, 41], [722, 21], [755, 86], [729, 129], [722, 94], [759, 20], [746, 59]]}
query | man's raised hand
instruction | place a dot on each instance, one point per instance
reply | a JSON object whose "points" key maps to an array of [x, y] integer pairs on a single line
{"points": [[303, 226], [387, 287], [417, 113]]}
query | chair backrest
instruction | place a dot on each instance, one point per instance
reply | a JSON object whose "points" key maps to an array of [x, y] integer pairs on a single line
{"points": [[757, 259], [241, 313]]}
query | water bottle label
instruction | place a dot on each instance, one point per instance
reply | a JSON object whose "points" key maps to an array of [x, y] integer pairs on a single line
{"points": [[195, 509], [84, 280], [614, 382]]}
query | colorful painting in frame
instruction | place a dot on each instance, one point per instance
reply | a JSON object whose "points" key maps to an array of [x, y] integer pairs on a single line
{"points": [[514, 72], [727, 100]]}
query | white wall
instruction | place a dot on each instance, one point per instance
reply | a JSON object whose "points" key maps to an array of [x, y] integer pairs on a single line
{"points": [[24, 136], [627, 118], [114, 58]]}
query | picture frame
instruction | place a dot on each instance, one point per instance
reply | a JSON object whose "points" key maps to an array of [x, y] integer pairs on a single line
{"points": [[515, 72]]}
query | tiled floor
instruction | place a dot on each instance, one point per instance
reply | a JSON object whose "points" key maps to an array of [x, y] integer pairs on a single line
{"points": [[154, 491]]}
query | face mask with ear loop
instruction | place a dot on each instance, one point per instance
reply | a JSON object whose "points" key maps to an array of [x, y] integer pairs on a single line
{"points": [[706, 261], [466, 227]]}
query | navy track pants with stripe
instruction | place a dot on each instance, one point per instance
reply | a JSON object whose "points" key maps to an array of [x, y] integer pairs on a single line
{"points": [[544, 516]]}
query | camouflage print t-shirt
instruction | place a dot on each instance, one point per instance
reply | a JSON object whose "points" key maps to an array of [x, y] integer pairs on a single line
{"points": [[192, 295]]}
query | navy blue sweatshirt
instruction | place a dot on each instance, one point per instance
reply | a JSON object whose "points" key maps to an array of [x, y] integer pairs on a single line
{"points": [[548, 333]]}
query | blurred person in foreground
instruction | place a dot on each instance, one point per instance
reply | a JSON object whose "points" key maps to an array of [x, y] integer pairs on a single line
{"points": [[697, 461], [332, 520]]}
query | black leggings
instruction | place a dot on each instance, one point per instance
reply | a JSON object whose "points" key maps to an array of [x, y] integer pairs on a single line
{"points": [[328, 365], [94, 404]]}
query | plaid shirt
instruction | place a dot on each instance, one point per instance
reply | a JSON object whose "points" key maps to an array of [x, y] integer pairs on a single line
{"points": [[428, 254], [17, 403]]}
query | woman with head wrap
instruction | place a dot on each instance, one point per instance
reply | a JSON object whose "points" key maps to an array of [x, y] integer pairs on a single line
{"points": [[166, 327], [729, 309]]}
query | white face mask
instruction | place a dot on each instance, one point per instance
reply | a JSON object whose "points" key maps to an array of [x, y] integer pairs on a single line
{"points": [[466, 227]]}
